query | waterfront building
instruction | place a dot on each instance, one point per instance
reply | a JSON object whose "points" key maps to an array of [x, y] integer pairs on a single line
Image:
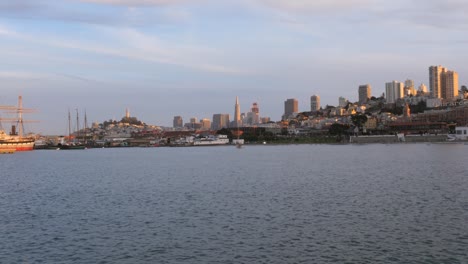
{"points": [[220, 121], [265, 120], [342, 102], [178, 122], [290, 108], [364, 93], [314, 103], [393, 91]]}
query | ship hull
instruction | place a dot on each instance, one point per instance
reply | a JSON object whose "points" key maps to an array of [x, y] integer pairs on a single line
{"points": [[26, 145]]}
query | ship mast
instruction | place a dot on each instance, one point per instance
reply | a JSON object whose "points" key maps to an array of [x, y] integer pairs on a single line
{"points": [[69, 125], [77, 126], [18, 120]]}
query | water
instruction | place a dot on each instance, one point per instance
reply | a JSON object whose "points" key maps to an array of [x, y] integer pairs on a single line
{"points": [[397, 203]]}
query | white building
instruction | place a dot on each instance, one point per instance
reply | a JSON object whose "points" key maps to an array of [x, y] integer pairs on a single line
{"points": [[393, 91]]}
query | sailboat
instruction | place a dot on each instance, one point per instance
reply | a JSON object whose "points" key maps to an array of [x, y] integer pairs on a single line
{"points": [[69, 144], [238, 142], [15, 140]]}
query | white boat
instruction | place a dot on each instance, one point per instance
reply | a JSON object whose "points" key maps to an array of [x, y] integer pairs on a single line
{"points": [[211, 140]]}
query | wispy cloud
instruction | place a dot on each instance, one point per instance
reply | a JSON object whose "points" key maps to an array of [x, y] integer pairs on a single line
{"points": [[307, 6], [136, 2], [132, 44]]}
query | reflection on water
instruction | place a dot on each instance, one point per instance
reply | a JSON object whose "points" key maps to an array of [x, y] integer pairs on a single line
{"points": [[259, 204]]}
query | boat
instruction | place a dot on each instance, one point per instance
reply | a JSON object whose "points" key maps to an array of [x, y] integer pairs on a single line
{"points": [[68, 143], [15, 139], [211, 140]]}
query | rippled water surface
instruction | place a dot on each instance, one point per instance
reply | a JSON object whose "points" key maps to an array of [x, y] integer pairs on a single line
{"points": [[403, 203]]}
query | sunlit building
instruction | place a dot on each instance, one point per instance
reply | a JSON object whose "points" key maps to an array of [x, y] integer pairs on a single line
{"points": [[364, 93], [290, 108]]}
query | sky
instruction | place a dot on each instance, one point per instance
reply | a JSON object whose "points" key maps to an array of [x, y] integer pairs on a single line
{"points": [[163, 58]]}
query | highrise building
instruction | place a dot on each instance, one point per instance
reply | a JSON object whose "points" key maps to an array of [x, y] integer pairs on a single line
{"points": [[443, 83], [435, 80], [237, 114], [409, 88], [290, 107], [205, 124], [449, 85], [422, 88], [314, 103], [364, 93], [220, 121], [393, 91], [178, 122], [255, 108], [253, 116], [342, 102]]}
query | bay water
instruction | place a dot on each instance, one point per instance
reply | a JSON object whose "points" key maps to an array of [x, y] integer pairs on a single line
{"points": [[376, 203]]}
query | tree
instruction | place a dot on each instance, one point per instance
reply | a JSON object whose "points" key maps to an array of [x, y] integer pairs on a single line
{"points": [[338, 130], [359, 120]]}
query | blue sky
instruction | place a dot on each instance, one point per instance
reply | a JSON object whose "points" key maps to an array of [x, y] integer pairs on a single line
{"points": [[162, 58]]}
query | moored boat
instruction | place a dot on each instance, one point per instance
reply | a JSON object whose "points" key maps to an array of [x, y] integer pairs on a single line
{"points": [[15, 140]]}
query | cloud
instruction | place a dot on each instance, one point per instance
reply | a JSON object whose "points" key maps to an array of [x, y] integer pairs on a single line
{"points": [[135, 2], [80, 11], [307, 6]]}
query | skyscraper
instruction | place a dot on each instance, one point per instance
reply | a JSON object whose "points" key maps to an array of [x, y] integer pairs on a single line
{"points": [[449, 85], [220, 121], [364, 93], [422, 88], [205, 124], [178, 122], [237, 115], [393, 91], [253, 116], [409, 88], [290, 107], [443, 83], [342, 102], [435, 80], [314, 103]]}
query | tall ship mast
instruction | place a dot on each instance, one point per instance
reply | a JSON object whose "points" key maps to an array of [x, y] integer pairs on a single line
{"points": [[15, 139]]}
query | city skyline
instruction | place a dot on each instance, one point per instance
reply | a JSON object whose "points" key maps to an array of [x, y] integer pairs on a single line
{"points": [[167, 58]]}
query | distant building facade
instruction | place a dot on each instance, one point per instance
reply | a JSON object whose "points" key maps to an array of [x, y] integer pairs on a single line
{"points": [[409, 88], [178, 122], [364, 93], [449, 85], [443, 83], [220, 121], [252, 117], [205, 124], [237, 113], [314, 103], [290, 108], [342, 102], [393, 91]]}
